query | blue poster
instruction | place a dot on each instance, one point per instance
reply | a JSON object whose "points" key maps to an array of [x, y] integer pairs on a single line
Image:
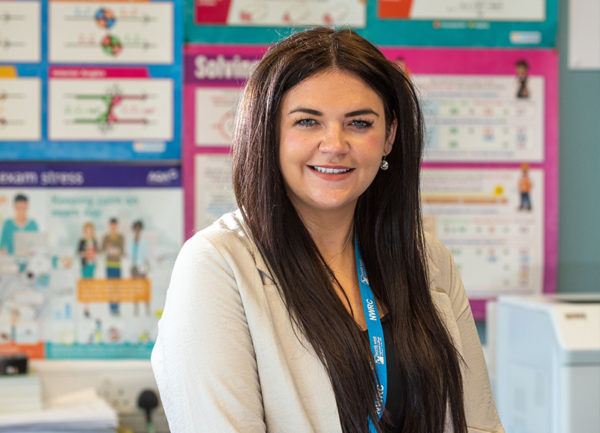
{"points": [[90, 80]]}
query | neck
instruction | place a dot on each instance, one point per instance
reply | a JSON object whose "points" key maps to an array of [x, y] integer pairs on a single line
{"points": [[332, 232]]}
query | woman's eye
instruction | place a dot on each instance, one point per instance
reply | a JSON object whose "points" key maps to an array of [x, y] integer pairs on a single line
{"points": [[361, 124], [306, 122]]}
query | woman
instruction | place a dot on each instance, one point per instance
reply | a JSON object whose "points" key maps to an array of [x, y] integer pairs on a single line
{"points": [[264, 327]]}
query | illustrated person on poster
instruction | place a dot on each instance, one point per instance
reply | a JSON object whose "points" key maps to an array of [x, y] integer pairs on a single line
{"points": [[20, 223], [525, 186], [88, 250], [522, 68], [137, 250], [113, 247]]}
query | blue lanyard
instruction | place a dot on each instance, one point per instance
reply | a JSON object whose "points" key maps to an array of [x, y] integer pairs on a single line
{"points": [[375, 332]]}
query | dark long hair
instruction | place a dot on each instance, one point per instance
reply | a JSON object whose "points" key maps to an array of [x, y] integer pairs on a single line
{"points": [[387, 223]]}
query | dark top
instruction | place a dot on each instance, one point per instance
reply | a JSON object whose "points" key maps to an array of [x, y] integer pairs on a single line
{"points": [[394, 401]]}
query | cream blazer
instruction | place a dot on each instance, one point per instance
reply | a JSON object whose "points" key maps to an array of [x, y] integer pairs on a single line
{"points": [[227, 359]]}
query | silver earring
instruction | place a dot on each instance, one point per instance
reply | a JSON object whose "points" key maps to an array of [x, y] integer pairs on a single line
{"points": [[384, 164]]}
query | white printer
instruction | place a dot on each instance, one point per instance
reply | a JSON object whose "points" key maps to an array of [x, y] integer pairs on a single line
{"points": [[548, 363]]}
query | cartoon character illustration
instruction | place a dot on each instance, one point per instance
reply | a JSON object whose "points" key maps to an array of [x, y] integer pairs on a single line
{"points": [[522, 68], [20, 223], [525, 186], [137, 250], [88, 250], [113, 248]]}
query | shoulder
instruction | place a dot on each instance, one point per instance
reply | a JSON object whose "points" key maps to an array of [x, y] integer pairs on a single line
{"points": [[226, 232], [8, 224], [226, 242]]}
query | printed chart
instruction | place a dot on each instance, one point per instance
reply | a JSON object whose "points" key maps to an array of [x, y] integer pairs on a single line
{"points": [[20, 38], [215, 115], [85, 257], [484, 105], [492, 221], [111, 32], [212, 173], [494, 10], [482, 118], [281, 12], [109, 108], [20, 108]]}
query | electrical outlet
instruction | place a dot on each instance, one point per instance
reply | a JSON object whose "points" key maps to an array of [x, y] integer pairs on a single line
{"points": [[119, 382]]}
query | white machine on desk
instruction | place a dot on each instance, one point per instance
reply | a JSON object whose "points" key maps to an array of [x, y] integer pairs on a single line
{"points": [[548, 363]]}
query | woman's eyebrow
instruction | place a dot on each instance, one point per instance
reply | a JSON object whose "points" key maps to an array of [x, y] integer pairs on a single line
{"points": [[306, 110], [318, 113], [361, 112]]}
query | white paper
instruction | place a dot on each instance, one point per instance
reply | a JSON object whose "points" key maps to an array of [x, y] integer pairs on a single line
{"points": [[497, 243], [20, 31], [477, 117], [297, 13], [214, 192], [111, 109], [584, 34], [20, 109], [125, 32], [495, 10], [215, 115], [79, 411]]}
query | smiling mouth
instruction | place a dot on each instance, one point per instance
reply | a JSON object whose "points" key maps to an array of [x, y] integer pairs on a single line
{"points": [[328, 170]]}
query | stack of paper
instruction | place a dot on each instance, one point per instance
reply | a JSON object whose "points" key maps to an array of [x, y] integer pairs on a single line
{"points": [[82, 412], [20, 393]]}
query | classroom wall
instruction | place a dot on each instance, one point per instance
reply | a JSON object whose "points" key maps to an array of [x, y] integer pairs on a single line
{"points": [[579, 183]]}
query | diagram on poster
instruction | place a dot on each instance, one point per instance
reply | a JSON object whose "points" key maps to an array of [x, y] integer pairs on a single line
{"points": [[109, 108], [213, 189], [111, 32], [496, 10], [20, 108], [484, 105], [493, 223], [482, 117], [20, 25], [281, 12], [85, 257], [215, 115]]}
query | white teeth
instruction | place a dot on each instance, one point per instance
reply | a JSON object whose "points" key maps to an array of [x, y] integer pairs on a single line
{"points": [[331, 170]]}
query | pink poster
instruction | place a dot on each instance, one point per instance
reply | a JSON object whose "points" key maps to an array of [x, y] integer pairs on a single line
{"points": [[490, 170]]}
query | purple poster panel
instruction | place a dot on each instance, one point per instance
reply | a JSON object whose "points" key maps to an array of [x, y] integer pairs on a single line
{"points": [[85, 257]]}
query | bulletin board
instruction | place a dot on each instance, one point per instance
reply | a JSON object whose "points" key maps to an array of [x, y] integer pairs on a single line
{"points": [[490, 172], [446, 23], [90, 80], [85, 257]]}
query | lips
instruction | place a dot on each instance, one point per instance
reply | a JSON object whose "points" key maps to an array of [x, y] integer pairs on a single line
{"points": [[330, 170]]}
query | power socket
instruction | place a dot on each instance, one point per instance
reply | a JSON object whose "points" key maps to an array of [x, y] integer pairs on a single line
{"points": [[119, 382]]}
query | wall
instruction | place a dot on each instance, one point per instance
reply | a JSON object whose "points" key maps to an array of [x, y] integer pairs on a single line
{"points": [[579, 183]]}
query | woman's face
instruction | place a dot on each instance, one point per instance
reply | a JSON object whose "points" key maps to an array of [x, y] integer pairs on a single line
{"points": [[332, 136]]}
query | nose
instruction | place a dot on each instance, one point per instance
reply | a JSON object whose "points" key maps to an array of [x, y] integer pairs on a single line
{"points": [[334, 140]]}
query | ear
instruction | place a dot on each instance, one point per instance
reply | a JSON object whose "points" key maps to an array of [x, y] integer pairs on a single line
{"points": [[390, 138]]}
